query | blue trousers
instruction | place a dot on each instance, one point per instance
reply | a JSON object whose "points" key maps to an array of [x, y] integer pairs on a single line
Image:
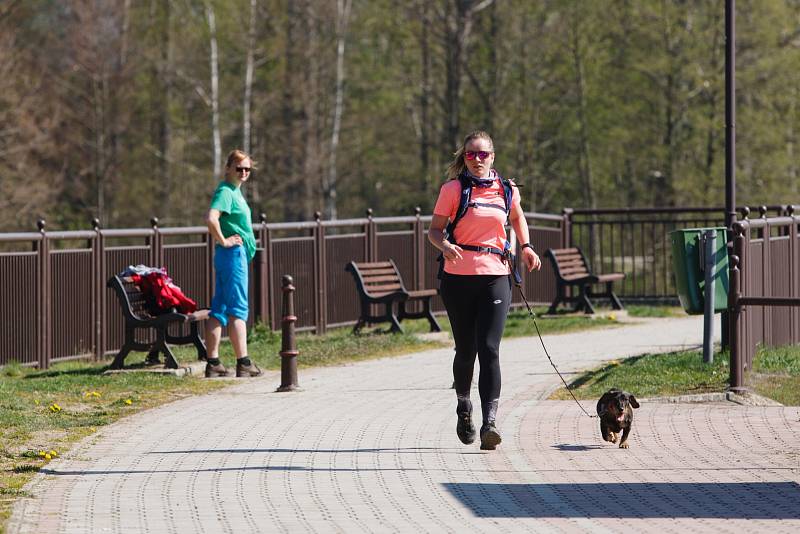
{"points": [[231, 284]]}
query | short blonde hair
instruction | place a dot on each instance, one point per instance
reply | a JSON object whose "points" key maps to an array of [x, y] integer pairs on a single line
{"points": [[236, 155]]}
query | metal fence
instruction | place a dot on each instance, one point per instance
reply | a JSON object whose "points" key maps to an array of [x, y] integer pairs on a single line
{"points": [[54, 304], [765, 288]]}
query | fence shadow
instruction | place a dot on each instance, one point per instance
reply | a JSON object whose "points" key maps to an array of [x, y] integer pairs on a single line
{"points": [[746, 500]]}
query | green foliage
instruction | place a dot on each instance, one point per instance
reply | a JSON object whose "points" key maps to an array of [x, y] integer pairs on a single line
{"points": [[653, 375], [603, 103], [785, 360]]}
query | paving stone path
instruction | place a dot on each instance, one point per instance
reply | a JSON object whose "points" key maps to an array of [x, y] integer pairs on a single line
{"points": [[371, 447]]}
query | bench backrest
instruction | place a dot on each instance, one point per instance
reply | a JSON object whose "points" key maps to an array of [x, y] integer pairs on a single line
{"points": [[130, 297], [569, 263], [377, 279]]}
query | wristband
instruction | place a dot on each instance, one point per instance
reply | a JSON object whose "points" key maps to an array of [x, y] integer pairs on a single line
{"points": [[527, 245]]}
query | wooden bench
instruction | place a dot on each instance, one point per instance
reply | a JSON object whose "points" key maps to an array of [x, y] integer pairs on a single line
{"points": [[572, 270], [134, 310], [380, 283]]}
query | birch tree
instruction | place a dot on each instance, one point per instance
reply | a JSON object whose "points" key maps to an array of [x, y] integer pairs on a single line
{"points": [[329, 186], [248, 77], [214, 61]]}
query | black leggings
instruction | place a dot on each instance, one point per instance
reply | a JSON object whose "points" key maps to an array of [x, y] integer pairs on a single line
{"points": [[477, 306]]}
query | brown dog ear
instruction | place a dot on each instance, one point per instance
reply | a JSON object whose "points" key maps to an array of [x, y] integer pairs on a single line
{"points": [[602, 404], [633, 401]]}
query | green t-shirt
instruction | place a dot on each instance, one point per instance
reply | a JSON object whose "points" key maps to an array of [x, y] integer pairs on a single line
{"points": [[235, 215]]}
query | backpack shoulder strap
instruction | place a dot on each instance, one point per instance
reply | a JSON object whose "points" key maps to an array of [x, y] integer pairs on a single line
{"points": [[463, 203], [508, 193]]}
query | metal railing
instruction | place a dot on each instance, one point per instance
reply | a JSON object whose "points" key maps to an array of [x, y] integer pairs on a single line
{"points": [[54, 304], [764, 299], [636, 241]]}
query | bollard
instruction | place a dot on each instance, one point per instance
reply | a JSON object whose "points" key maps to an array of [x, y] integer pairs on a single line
{"points": [[288, 341]]}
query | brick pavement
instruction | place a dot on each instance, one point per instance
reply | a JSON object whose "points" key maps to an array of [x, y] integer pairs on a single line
{"points": [[371, 447]]}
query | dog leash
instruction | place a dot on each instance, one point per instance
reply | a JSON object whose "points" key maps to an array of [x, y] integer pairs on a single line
{"points": [[533, 317]]}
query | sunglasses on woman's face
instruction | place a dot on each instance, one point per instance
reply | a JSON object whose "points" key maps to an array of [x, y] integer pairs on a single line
{"points": [[471, 154], [244, 170]]}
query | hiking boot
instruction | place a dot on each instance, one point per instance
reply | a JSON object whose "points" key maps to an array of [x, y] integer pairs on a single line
{"points": [[213, 371], [490, 437], [247, 370], [465, 429]]}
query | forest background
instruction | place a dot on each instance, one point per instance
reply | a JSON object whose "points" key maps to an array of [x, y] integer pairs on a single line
{"points": [[125, 109]]}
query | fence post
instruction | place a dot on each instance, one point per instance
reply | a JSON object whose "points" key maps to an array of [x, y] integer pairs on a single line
{"points": [[156, 253], [271, 304], [372, 238], [320, 278], [794, 267], [98, 254], [419, 251], [209, 267], [288, 340], [43, 317], [262, 274], [736, 380], [566, 227]]}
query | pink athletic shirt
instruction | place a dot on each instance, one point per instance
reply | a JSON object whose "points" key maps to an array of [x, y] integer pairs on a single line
{"points": [[481, 226]]}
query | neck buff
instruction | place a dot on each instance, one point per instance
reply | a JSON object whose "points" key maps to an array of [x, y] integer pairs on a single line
{"points": [[482, 182]]}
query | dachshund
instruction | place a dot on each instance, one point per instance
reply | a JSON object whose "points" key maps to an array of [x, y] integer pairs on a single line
{"points": [[616, 415]]}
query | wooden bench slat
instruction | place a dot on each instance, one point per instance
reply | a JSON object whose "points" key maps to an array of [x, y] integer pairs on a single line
{"points": [[381, 278], [385, 288], [376, 265], [423, 293]]}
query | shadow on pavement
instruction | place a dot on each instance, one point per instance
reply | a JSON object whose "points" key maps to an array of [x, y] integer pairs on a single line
{"points": [[332, 451], [732, 500], [576, 448]]}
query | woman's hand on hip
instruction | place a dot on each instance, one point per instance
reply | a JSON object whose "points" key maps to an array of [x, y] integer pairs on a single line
{"points": [[532, 260], [232, 241], [451, 252]]}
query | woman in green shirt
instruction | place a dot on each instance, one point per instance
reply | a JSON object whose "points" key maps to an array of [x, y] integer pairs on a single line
{"points": [[228, 222]]}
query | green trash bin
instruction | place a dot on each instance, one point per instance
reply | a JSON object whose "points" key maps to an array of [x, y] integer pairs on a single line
{"points": [[689, 271]]}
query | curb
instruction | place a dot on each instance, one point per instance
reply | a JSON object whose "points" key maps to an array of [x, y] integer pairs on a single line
{"points": [[746, 399]]}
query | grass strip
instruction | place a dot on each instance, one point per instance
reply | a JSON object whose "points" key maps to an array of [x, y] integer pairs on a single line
{"points": [[775, 374]]}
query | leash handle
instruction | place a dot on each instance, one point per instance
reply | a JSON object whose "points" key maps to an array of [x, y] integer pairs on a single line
{"points": [[538, 333]]}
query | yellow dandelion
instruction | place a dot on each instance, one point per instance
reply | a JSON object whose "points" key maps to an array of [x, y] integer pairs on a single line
{"points": [[36, 402], [48, 457], [55, 407], [128, 402], [612, 316], [42, 453], [53, 453], [95, 393]]}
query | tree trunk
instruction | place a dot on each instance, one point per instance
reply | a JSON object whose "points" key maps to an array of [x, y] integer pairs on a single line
{"points": [[248, 77], [329, 188], [585, 165], [425, 95], [162, 76], [458, 27], [213, 58], [311, 123]]}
